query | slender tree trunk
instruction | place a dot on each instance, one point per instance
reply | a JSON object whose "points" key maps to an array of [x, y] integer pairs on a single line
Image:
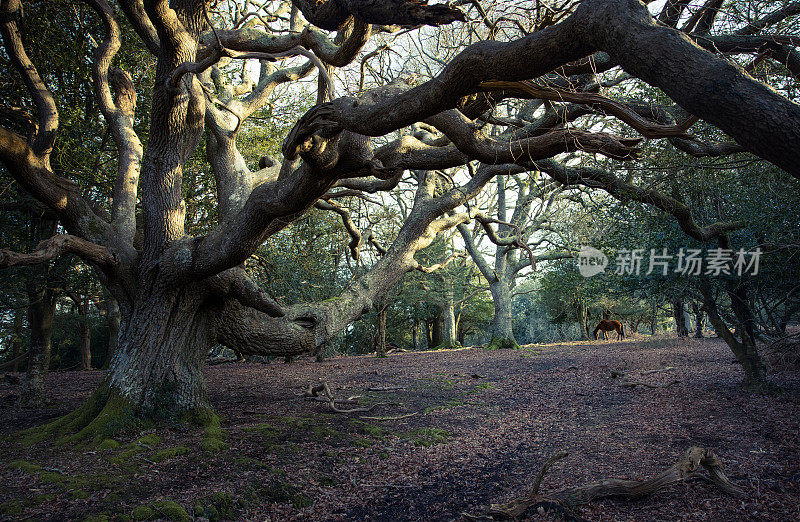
{"points": [[654, 320], [448, 318], [744, 348], [429, 327], [41, 313], [680, 318], [86, 341], [415, 334], [436, 332], [699, 320], [380, 345], [583, 319], [16, 341]]}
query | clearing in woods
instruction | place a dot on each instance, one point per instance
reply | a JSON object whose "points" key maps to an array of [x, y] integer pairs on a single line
{"points": [[483, 424]]}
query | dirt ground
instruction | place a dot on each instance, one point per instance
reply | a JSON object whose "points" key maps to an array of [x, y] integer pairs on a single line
{"points": [[483, 423]]}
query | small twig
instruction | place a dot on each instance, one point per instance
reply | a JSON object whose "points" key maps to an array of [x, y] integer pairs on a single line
{"points": [[545, 468], [667, 369], [397, 417]]}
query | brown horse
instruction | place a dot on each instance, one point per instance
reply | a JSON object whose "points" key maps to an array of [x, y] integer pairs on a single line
{"points": [[606, 326]]}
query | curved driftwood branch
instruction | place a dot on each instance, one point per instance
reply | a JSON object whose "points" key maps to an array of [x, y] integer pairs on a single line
{"points": [[690, 466]]}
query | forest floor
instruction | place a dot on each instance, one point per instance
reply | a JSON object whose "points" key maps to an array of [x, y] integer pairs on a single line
{"points": [[484, 423]]}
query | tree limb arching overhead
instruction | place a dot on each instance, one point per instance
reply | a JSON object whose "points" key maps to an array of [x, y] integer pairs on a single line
{"points": [[194, 284]]}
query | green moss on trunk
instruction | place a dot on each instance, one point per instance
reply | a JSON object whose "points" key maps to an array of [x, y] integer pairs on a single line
{"points": [[105, 415], [502, 344]]}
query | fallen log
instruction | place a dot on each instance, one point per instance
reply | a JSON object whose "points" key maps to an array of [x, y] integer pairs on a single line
{"points": [[690, 466]]}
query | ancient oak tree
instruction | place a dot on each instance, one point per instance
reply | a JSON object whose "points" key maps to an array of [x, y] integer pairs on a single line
{"points": [[180, 293]]}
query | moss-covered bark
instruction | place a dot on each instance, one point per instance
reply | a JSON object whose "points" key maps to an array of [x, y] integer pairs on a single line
{"points": [[502, 344]]}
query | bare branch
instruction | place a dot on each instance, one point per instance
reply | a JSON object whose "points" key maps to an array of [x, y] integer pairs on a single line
{"points": [[355, 235], [775, 17], [134, 12], [439, 266], [119, 110], [237, 284], [626, 114], [58, 245], [46, 111], [625, 191]]}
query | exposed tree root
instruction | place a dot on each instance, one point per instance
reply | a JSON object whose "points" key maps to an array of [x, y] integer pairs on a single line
{"points": [[690, 466], [323, 392], [221, 360], [107, 414], [394, 417]]}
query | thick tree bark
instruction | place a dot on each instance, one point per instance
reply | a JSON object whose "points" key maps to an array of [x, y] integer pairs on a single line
{"points": [[162, 350], [502, 321], [113, 322]]}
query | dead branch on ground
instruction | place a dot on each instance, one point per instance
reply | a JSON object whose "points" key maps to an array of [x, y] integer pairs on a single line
{"points": [[323, 393], [690, 466], [660, 370]]}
